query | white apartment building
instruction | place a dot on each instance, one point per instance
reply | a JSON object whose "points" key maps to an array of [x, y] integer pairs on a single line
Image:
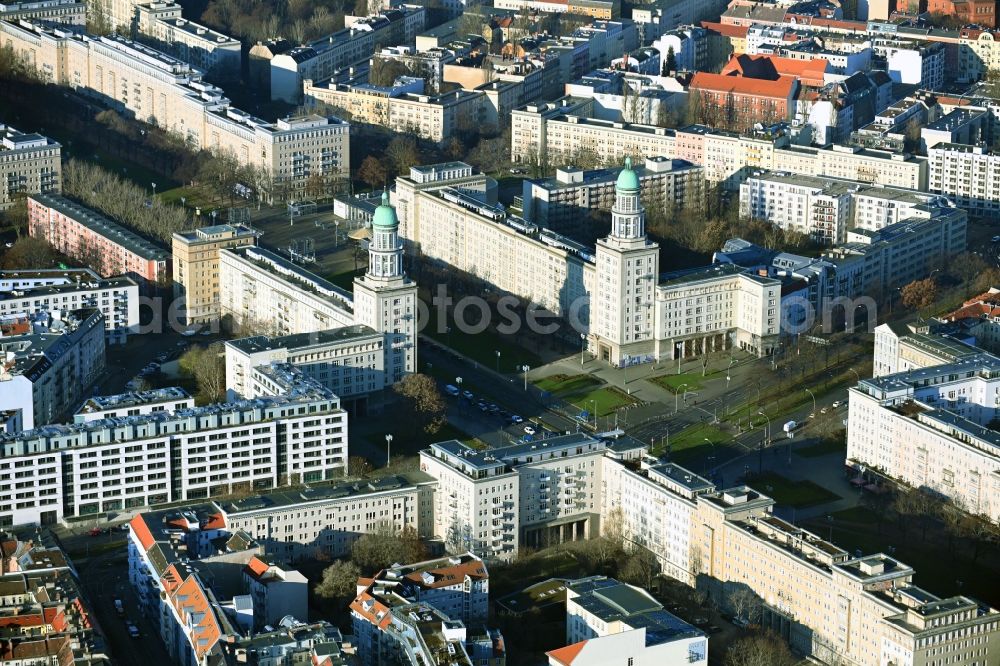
{"points": [[608, 622], [161, 90], [817, 207], [970, 175], [350, 361], [161, 24], [925, 427], [559, 202], [900, 348], [654, 504], [253, 281], [457, 585], [431, 177], [402, 108], [864, 165], [826, 603], [29, 163], [585, 285], [295, 523], [320, 59], [49, 363], [922, 64], [137, 403], [26, 293], [493, 502], [174, 455], [70, 12]]}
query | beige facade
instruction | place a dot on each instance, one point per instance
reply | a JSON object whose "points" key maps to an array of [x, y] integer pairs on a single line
{"points": [[161, 90], [433, 117], [29, 164], [161, 24], [862, 611], [196, 267]]}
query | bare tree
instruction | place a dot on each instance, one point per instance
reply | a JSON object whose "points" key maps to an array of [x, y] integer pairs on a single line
{"points": [[340, 580], [745, 604], [761, 649]]}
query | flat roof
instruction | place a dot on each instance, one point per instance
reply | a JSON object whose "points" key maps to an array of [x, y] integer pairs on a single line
{"points": [[318, 493], [259, 343]]}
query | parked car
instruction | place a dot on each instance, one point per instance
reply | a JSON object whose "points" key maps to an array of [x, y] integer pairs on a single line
{"points": [[516, 419], [528, 430], [836, 404], [119, 607], [451, 389], [133, 630], [824, 410]]}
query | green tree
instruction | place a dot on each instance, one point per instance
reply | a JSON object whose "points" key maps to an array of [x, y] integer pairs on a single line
{"points": [[372, 172], [670, 62], [29, 252], [339, 581], [385, 546], [207, 366], [423, 406]]}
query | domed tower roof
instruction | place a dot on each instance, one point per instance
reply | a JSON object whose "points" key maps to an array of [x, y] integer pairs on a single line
{"points": [[627, 180], [385, 215]]}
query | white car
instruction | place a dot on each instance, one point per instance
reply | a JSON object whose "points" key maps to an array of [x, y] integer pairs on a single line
{"points": [[528, 430], [836, 404]]}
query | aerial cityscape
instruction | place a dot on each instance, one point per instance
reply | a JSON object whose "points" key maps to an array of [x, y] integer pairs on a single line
{"points": [[500, 333]]}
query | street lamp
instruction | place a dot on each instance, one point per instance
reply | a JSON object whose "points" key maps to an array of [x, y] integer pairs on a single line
{"points": [[676, 394], [856, 373], [336, 233], [767, 438], [813, 395], [679, 348], [525, 369], [498, 360], [458, 383], [593, 404], [711, 457], [583, 347], [388, 449], [154, 189], [625, 378]]}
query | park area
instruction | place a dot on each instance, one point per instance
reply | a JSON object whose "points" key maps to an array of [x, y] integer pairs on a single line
{"points": [[587, 393], [798, 494]]}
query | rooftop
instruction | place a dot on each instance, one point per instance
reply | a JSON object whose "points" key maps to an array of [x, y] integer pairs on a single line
{"points": [[104, 227], [259, 343]]}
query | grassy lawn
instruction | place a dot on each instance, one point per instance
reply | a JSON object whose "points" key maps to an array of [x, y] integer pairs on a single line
{"points": [[411, 444], [343, 280], [856, 514], [674, 383], [561, 385], [688, 446], [194, 197], [482, 347], [792, 493], [823, 448], [603, 401]]}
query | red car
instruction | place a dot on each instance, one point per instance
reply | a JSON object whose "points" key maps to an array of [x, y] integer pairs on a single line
{"points": [[96, 531]]}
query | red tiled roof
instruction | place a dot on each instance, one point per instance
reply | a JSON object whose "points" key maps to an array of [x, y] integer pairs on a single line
{"points": [[55, 617], [773, 67], [449, 575], [782, 88], [215, 522], [257, 567], [985, 305], [192, 605], [377, 613], [566, 655], [23, 620], [726, 30], [141, 530], [171, 579]]}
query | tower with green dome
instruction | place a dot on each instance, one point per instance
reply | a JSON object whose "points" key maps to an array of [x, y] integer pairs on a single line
{"points": [[623, 308], [384, 298]]}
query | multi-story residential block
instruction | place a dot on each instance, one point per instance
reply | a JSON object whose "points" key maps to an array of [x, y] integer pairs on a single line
{"points": [[196, 267], [402, 107], [968, 174], [817, 207], [457, 585], [532, 494], [739, 102], [346, 511], [174, 455], [599, 9], [350, 361], [559, 203], [71, 12], [275, 592], [26, 293], [912, 62], [900, 348], [585, 285], [433, 177], [925, 427], [875, 167], [389, 629], [828, 604], [50, 362], [29, 164], [206, 590], [91, 238], [123, 405], [652, 504], [320, 59], [968, 125], [160, 24], [153, 87], [981, 316], [255, 281], [609, 621]]}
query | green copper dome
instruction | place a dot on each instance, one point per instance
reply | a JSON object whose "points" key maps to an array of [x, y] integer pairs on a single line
{"points": [[627, 180], [385, 215]]}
